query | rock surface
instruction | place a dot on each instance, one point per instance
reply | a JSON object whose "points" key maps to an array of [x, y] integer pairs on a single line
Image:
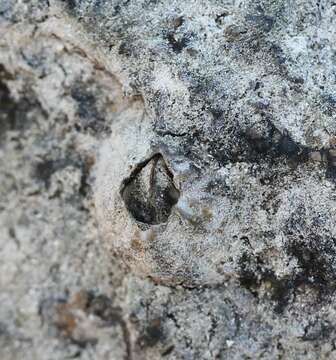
{"points": [[168, 176]]}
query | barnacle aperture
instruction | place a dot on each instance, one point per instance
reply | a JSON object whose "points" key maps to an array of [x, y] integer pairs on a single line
{"points": [[149, 193]]}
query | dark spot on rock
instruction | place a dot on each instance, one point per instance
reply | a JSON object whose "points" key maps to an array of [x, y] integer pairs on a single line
{"points": [[329, 104], [148, 3], [253, 272], [168, 350], [153, 333], [71, 3], [177, 44], [116, 10], [260, 143], [46, 309], [263, 22], [219, 18], [315, 256], [317, 330], [15, 115], [4, 74], [217, 187], [248, 276], [234, 33], [90, 118], [258, 85], [281, 290], [86, 165], [274, 144], [314, 252], [287, 146], [178, 22], [331, 173], [7, 111], [102, 306], [298, 80], [65, 314], [44, 170], [125, 48], [331, 165], [3, 329], [149, 193], [278, 54], [216, 113]]}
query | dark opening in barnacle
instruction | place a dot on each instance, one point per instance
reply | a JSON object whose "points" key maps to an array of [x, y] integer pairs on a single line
{"points": [[149, 192]]}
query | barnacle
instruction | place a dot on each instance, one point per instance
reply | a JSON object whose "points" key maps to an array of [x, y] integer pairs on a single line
{"points": [[149, 193]]}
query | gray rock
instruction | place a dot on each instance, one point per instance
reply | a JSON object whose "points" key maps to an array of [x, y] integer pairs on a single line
{"points": [[167, 179]]}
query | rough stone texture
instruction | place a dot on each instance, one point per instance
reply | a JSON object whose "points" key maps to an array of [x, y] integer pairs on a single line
{"points": [[167, 183]]}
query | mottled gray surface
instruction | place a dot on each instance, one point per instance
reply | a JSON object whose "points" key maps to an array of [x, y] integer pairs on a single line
{"points": [[167, 183]]}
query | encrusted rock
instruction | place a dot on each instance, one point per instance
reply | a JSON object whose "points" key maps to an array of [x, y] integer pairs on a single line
{"points": [[195, 141]]}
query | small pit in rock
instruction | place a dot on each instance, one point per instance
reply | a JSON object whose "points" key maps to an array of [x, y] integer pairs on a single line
{"points": [[149, 193]]}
